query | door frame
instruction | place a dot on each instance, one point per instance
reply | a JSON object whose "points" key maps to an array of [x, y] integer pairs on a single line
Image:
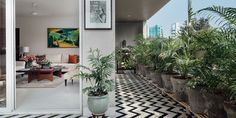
{"points": [[11, 61], [10, 74]]}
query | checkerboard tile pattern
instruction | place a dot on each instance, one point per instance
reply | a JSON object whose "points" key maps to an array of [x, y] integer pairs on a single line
{"points": [[135, 98]]}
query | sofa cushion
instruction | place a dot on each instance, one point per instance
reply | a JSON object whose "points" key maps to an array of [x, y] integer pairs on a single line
{"points": [[66, 67], [54, 58], [73, 59], [65, 58]]}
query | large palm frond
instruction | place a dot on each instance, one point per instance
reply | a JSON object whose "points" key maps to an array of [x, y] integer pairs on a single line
{"points": [[227, 14]]}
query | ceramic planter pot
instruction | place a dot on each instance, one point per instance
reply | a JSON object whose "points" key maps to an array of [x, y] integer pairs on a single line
{"points": [[167, 82], [179, 88], [196, 100], [98, 105], [215, 105], [156, 78], [230, 109]]}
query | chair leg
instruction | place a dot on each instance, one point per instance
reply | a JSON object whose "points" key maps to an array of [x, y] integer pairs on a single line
{"points": [[65, 82], [72, 81]]}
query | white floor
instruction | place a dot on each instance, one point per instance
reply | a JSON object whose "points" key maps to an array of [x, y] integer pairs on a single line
{"points": [[44, 99]]}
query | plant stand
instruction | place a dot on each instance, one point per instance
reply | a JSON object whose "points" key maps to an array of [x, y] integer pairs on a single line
{"points": [[99, 116]]}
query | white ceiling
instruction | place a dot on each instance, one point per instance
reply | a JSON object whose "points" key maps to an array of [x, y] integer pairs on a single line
{"points": [[47, 7], [126, 10]]}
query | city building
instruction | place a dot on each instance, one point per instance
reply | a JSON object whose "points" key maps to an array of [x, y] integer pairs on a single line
{"points": [[155, 31], [175, 28]]}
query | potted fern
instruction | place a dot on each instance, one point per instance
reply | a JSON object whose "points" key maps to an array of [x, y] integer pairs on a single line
{"points": [[100, 84]]}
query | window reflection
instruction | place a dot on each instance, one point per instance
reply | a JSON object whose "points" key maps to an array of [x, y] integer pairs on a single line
{"points": [[2, 55]]}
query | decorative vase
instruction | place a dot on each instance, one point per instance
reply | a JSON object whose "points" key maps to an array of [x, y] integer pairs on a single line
{"points": [[196, 100], [98, 105], [230, 108], [29, 64], [179, 88]]}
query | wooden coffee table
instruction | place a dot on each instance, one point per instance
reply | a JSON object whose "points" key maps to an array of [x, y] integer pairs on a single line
{"points": [[40, 74]]}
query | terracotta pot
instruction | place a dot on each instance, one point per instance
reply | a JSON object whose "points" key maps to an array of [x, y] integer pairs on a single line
{"points": [[156, 78], [230, 108], [196, 100], [179, 88], [215, 105], [167, 82]]}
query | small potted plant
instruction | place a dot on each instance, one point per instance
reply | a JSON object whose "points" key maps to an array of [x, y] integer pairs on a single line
{"points": [[100, 84], [45, 64]]}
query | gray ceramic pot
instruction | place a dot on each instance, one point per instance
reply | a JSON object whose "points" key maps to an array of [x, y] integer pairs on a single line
{"points": [[156, 78], [230, 109], [98, 105], [179, 88], [215, 105], [196, 100], [167, 82]]}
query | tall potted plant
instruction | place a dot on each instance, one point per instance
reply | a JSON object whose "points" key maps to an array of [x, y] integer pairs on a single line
{"points": [[167, 58], [140, 52], [100, 84], [155, 48]]}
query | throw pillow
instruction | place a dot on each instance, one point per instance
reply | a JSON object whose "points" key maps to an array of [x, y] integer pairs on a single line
{"points": [[73, 59]]}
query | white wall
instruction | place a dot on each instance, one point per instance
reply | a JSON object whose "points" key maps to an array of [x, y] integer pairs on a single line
{"points": [[33, 32], [103, 40], [128, 31]]}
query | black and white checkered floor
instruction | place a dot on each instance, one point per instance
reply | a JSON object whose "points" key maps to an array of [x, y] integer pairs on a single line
{"points": [[135, 98]]}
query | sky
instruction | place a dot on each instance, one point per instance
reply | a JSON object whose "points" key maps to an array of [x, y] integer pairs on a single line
{"points": [[176, 11]]}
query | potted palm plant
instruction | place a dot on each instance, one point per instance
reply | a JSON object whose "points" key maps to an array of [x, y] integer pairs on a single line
{"points": [[155, 49], [100, 84], [167, 59], [184, 64]]}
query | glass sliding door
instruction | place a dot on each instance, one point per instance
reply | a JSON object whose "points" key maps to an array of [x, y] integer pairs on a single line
{"points": [[2, 54]]}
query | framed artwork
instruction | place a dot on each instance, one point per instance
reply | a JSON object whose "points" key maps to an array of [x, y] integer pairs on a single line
{"points": [[63, 37], [98, 14]]}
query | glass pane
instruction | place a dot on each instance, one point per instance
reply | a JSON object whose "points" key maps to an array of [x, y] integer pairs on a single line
{"points": [[2, 55]]}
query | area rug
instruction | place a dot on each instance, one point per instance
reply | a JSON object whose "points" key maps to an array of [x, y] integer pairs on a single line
{"points": [[22, 82]]}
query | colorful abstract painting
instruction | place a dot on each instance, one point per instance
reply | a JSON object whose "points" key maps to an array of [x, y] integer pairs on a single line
{"points": [[63, 38]]}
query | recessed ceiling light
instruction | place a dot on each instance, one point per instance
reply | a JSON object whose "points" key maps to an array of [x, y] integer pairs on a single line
{"points": [[34, 13]]}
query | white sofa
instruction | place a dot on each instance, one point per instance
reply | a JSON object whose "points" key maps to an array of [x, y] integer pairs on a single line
{"points": [[61, 60], [20, 65], [69, 69]]}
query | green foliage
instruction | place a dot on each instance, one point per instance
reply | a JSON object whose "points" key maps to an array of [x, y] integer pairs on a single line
{"points": [[227, 15], [168, 54], [140, 51], [125, 58], [155, 49], [98, 73]]}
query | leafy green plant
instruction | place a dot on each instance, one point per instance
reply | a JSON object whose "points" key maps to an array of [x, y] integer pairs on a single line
{"points": [[168, 54], [140, 51], [98, 73], [155, 49]]}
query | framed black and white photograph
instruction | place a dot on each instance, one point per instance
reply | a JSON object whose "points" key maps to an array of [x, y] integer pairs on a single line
{"points": [[98, 14]]}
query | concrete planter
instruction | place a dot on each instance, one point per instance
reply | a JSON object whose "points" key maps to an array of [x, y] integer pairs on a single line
{"points": [[167, 82], [156, 78], [98, 105], [196, 101], [230, 108], [215, 105], [179, 88]]}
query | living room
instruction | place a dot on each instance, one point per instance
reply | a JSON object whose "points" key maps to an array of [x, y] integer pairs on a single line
{"points": [[47, 53]]}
